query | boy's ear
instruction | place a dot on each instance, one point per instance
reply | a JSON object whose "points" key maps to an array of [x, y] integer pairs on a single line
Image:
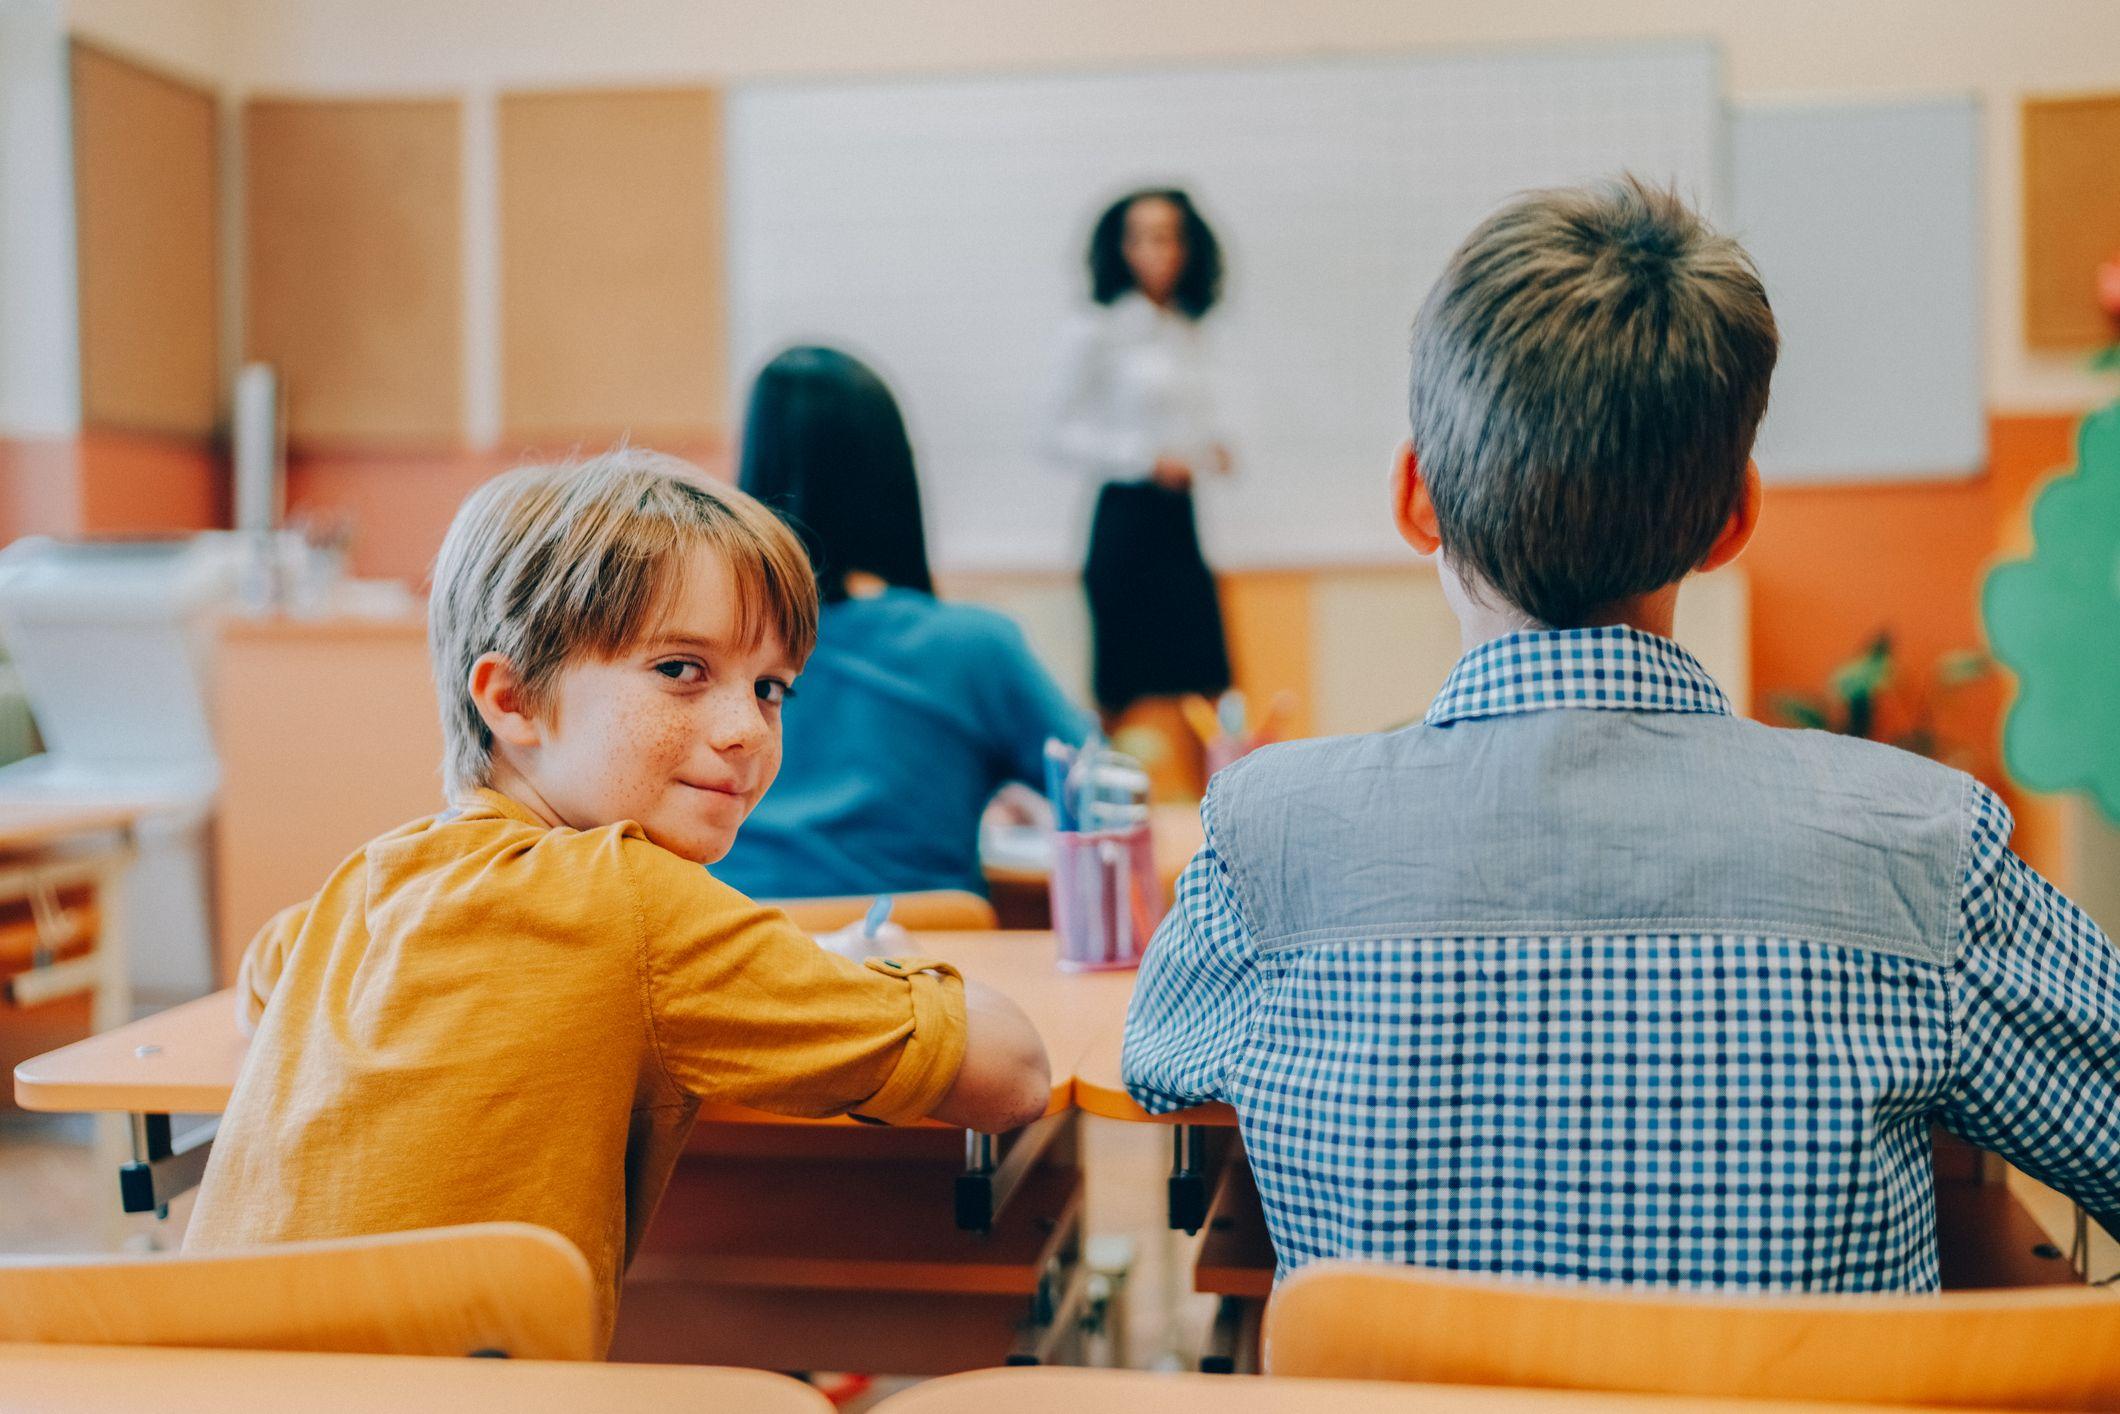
{"points": [[1411, 508], [1743, 521], [498, 694]]}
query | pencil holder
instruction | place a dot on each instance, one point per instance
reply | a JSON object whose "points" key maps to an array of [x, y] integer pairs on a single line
{"points": [[1105, 897], [1224, 750]]}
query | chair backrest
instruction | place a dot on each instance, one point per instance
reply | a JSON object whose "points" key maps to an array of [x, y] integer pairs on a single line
{"points": [[505, 1288], [2044, 1348], [928, 910]]}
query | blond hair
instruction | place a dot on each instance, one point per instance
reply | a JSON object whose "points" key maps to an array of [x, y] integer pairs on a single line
{"points": [[549, 564], [1588, 377]]}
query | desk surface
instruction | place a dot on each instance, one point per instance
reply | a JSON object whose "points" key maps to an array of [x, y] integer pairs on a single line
{"points": [[185, 1060], [60, 1379], [27, 825], [1060, 1391], [1100, 1091]]}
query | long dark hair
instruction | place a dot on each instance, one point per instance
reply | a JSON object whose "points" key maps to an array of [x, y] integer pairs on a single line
{"points": [[1199, 284], [825, 447]]}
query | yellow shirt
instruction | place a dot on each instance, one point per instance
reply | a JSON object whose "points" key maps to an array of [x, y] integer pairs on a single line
{"points": [[480, 1017]]}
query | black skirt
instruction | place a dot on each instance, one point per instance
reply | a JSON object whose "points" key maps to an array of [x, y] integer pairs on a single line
{"points": [[1155, 624]]}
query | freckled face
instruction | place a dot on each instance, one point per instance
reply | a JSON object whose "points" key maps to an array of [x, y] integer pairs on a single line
{"points": [[681, 732]]}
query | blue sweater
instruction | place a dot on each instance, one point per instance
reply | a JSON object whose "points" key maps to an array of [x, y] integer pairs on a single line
{"points": [[910, 715]]}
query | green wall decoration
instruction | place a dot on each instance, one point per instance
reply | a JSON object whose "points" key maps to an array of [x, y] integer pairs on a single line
{"points": [[2054, 620]]}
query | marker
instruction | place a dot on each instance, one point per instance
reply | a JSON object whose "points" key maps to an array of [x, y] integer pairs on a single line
{"points": [[879, 912], [1058, 758], [1201, 718], [1277, 712]]}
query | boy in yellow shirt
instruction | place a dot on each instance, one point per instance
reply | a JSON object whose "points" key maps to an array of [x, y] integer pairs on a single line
{"points": [[513, 1010]]}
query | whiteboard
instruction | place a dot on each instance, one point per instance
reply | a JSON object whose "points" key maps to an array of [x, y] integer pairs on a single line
{"points": [[936, 228], [1865, 223]]}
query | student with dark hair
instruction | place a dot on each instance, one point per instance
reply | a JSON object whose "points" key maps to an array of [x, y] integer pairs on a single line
{"points": [[912, 712], [1133, 408], [1585, 976]]}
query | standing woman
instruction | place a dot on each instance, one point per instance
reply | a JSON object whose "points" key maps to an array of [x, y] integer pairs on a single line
{"points": [[1133, 408]]}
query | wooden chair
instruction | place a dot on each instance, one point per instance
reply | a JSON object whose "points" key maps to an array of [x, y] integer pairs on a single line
{"points": [[929, 910], [502, 1288], [2046, 1348]]}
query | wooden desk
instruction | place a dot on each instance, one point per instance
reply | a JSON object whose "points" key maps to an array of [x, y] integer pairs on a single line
{"points": [[56, 843], [1055, 1391], [186, 1060], [28, 825], [61, 1379]]}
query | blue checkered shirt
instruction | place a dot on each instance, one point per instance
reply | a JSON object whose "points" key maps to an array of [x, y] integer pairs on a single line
{"points": [[1655, 1085]]}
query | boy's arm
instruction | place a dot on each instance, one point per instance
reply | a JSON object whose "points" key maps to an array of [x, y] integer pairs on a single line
{"points": [[263, 960], [745, 1008], [2036, 1026], [1004, 1081], [1198, 992]]}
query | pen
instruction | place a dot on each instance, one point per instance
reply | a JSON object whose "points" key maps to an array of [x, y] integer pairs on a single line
{"points": [[1201, 718], [1058, 758], [872, 924]]}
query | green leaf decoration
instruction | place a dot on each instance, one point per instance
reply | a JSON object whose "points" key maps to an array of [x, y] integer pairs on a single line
{"points": [[2054, 620], [1799, 712], [1867, 675], [1966, 665]]}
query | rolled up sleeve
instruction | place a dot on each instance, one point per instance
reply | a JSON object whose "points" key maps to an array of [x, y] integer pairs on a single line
{"points": [[745, 1008], [932, 1055]]}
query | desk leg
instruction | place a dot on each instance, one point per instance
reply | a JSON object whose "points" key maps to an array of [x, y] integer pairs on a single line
{"points": [[1189, 1177], [113, 1005], [988, 1182], [161, 1168]]}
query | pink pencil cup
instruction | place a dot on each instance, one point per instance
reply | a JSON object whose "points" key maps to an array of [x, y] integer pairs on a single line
{"points": [[1106, 903]]}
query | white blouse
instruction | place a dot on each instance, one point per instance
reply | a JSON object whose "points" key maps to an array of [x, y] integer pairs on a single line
{"points": [[1132, 387]]}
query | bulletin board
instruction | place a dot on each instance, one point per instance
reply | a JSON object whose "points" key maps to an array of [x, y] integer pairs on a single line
{"points": [[146, 194], [355, 265], [611, 266], [2071, 217]]}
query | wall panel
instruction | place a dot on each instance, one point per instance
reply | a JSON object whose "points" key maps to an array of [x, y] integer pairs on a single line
{"points": [[611, 265], [355, 268], [146, 193], [2071, 217]]}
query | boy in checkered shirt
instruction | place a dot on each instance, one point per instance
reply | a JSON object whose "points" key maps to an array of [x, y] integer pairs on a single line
{"points": [[1585, 976]]}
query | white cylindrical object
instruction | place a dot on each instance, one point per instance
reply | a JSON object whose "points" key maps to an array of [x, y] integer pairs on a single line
{"points": [[260, 486]]}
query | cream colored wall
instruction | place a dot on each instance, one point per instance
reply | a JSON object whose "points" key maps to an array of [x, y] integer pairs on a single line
{"points": [[193, 39], [40, 389], [1787, 49]]}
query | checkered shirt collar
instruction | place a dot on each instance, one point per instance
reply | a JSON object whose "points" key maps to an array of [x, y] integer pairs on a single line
{"points": [[1617, 669]]}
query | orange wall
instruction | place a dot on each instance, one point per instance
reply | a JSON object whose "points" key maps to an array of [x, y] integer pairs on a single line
{"points": [[398, 505], [110, 483]]}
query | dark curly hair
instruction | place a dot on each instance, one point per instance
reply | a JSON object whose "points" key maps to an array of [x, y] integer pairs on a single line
{"points": [[1199, 284]]}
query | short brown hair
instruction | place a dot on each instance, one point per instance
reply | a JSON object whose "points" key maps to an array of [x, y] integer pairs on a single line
{"points": [[547, 564], [1588, 377]]}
